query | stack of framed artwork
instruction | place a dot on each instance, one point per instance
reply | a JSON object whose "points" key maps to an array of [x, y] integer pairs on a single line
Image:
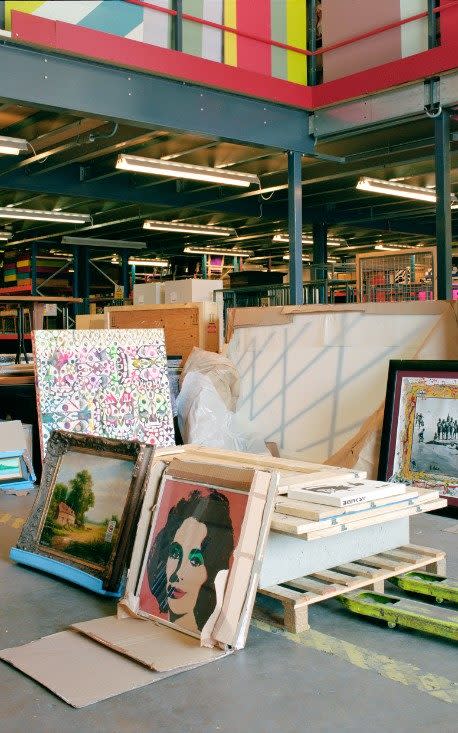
{"points": [[420, 428], [111, 384], [194, 570]]}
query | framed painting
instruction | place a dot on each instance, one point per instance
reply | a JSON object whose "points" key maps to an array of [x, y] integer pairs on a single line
{"points": [[110, 383], [10, 469], [189, 554], [420, 428], [87, 506]]}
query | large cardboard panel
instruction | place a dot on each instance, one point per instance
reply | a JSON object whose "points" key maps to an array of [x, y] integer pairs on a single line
{"points": [[156, 646], [77, 669], [311, 384]]}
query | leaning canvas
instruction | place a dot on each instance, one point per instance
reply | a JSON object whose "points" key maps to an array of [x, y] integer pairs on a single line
{"points": [[111, 383], [82, 522], [420, 429]]}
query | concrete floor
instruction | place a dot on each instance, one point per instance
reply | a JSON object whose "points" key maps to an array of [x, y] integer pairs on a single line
{"points": [[274, 684]]}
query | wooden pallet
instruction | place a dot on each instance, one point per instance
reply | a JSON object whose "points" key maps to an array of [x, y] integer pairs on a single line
{"points": [[369, 572]]}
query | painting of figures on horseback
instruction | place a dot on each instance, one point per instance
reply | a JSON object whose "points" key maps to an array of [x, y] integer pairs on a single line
{"points": [[420, 428]]}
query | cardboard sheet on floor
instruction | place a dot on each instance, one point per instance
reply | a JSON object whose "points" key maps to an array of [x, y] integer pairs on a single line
{"points": [[154, 645], [77, 669]]}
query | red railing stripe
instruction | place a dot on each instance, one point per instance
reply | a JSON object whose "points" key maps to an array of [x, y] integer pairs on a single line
{"points": [[286, 46]]}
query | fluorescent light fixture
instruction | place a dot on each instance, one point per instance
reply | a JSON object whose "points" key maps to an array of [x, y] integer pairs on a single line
{"points": [[183, 228], [39, 215], [113, 243], [148, 263], [284, 239], [304, 258], [12, 145], [216, 251], [387, 247], [154, 166], [402, 190], [4, 236]]}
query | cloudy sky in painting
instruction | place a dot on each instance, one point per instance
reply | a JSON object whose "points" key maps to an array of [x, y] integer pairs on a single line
{"points": [[111, 477]]}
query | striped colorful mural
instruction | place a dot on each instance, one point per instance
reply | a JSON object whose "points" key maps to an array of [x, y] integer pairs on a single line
{"points": [[281, 20]]}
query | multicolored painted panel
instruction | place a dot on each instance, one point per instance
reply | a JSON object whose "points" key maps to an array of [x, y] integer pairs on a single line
{"points": [[112, 384], [281, 20]]}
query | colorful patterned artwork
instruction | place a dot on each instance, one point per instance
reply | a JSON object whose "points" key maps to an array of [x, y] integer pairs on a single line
{"points": [[111, 383]]}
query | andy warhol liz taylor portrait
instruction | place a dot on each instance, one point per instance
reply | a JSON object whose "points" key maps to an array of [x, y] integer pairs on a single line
{"points": [[190, 553]]}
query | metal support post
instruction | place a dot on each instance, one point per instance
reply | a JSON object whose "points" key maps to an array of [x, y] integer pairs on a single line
{"points": [[311, 42], [33, 266], [125, 274], [75, 282], [432, 24], [320, 257], [295, 228], [443, 206], [236, 264], [204, 267], [178, 25], [83, 276]]}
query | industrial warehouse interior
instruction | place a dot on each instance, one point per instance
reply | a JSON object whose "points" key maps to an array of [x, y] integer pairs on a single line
{"points": [[228, 365]]}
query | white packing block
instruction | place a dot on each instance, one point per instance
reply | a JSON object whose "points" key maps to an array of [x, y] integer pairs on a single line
{"points": [[289, 557]]}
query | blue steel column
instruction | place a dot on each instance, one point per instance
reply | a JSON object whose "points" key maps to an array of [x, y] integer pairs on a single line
{"points": [[84, 277], [295, 227], [311, 42], [178, 25], [320, 257], [33, 267], [125, 273], [443, 206]]}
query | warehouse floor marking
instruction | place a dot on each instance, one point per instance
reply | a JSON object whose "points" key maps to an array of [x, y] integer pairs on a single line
{"points": [[15, 522], [392, 669]]}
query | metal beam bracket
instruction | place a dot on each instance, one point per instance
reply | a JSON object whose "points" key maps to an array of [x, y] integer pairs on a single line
{"points": [[433, 106]]}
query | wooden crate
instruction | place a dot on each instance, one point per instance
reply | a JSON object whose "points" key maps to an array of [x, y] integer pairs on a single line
{"points": [[369, 572], [185, 324]]}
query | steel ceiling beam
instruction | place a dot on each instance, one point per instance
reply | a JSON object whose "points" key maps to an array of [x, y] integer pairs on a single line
{"points": [[83, 87], [69, 183], [381, 109]]}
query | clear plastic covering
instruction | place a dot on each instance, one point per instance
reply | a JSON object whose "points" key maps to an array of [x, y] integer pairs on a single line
{"points": [[206, 403], [221, 372]]}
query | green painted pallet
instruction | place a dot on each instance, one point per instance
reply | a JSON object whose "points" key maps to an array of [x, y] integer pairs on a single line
{"points": [[401, 612], [428, 584]]}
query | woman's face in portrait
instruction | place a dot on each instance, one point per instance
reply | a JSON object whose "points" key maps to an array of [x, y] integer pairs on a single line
{"points": [[185, 569]]}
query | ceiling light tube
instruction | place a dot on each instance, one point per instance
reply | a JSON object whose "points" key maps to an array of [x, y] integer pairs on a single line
{"points": [[12, 145], [392, 188], [38, 215], [109, 243], [332, 242], [158, 167], [183, 228], [4, 236], [148, 263], [304, 259], [217, 252]]}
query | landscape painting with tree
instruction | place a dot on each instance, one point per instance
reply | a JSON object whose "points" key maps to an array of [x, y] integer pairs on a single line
{"points": [[86, 506]]}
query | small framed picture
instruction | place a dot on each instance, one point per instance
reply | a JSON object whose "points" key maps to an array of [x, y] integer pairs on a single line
{"points": [[87, 504], [10, 469], [420, 428]]}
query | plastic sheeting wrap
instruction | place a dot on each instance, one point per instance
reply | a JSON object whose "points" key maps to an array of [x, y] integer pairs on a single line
{"points": [[221, 372], [205, 405]]}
